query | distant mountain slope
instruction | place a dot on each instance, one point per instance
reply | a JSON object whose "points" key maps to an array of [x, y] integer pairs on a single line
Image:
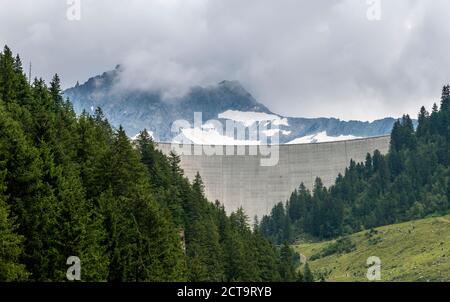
{"points": [[410, 251], [137, 109]]}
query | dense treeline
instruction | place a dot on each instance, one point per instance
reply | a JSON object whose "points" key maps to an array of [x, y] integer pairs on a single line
{"points": [[410, 182], [74, 186]]}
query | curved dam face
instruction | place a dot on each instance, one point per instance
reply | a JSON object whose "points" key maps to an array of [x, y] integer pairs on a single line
{"points": [[241, 180]]}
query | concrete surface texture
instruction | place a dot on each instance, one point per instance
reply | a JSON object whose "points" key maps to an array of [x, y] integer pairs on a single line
{"points": [[241, 180]]}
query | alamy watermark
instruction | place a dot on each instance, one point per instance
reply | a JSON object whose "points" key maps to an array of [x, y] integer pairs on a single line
{"points": [[373, 13], [74, 271], [374, 10], [256, 139], [373, 268], [73, 12]]}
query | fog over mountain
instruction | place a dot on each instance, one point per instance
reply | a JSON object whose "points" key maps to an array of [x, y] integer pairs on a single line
{"points": [[136, 109]]}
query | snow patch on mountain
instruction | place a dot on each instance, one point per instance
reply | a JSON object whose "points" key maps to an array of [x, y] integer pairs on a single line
{"points": [[209, 136], [273, 132], [249, 118], [321, 137]]}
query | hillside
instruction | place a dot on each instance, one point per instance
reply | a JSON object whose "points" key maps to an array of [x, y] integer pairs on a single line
{"points": [[412, 251]]}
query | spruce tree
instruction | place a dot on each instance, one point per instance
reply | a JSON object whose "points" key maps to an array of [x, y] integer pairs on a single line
{"points": [[307, 274], [11, 244], [287, 270], [423, 126], [7, 76], [80, 227]]}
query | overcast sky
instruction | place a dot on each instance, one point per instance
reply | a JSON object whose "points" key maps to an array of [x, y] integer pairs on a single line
{"points": [[300, 58]]}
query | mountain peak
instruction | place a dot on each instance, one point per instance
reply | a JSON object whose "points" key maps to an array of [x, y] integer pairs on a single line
{"points": [[234, 86], [230, 83], [136, 110]]}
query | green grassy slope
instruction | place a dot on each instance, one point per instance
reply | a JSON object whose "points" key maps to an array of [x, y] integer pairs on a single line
{"points": [[412, 251]]}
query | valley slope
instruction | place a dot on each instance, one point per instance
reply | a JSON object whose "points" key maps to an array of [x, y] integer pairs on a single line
{"points": [[411, 251]]}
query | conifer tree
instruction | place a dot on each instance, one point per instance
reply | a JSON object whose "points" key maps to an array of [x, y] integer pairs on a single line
{"points": [[287, 257], [11, 244], [307, 274], [445, 99], [7, 76], [423, 122], [80, 227]]}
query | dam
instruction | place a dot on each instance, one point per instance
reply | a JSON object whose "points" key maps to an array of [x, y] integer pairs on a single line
{"points": [[241, 181]]}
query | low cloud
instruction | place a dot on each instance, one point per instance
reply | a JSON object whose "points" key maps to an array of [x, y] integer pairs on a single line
{"points": [[145, 71], [298, 57]]}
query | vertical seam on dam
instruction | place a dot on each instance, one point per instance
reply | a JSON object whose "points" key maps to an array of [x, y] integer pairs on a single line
{"points": [[346, 153]]}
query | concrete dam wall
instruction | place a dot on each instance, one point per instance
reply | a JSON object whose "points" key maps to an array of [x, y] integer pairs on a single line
{"points": [[242, 180]]}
